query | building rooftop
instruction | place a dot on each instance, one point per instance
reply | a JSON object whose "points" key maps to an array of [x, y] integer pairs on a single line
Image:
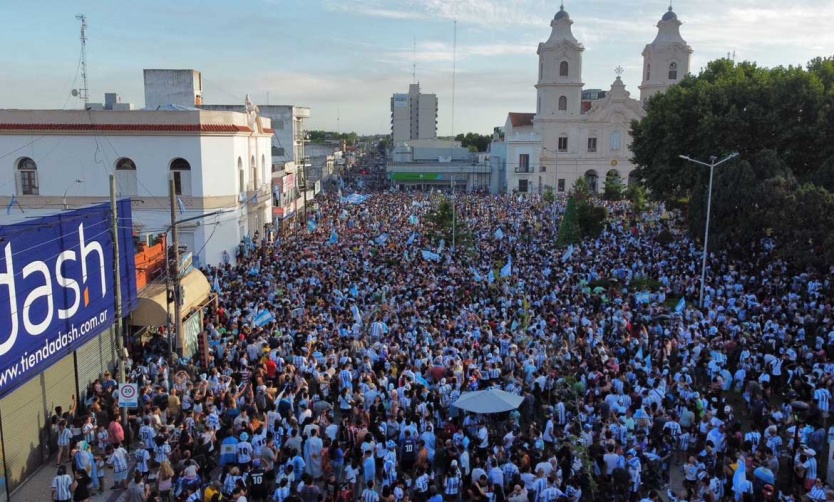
{"points": [[521, 119]]}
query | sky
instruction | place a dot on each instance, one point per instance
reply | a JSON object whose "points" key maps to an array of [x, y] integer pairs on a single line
{"points": [[344, 59]]}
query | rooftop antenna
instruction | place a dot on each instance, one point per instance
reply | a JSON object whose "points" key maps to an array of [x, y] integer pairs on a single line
{"points": [[84, 91], [414, 62]]}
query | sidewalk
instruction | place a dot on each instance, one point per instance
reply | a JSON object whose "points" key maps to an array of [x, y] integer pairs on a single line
{"points": [[39, 486]]}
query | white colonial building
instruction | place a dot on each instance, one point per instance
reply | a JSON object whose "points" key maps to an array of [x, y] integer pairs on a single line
{"points": [[576, 133], [220, 163]]}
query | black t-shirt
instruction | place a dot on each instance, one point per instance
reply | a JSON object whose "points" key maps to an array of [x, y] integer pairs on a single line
{"points": [[409, 450], [256, 481], [82, 489]]}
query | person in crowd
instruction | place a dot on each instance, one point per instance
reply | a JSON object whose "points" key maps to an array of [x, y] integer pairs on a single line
{"points": [[335, 356]]}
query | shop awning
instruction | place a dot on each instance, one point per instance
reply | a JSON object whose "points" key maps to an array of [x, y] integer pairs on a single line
{"points": [[152, 309]]}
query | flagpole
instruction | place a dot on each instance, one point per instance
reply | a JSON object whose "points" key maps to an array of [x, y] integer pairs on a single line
{"points": [[454, 215]]}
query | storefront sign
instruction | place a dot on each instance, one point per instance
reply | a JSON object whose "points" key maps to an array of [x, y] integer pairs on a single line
{"points": [[57, 287]]}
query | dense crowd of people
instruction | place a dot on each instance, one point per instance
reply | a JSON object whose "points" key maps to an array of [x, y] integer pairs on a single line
{"points": [[337, 354]]}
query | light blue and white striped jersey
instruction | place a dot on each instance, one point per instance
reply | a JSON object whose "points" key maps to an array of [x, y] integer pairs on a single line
{"points": [[61, 484]]}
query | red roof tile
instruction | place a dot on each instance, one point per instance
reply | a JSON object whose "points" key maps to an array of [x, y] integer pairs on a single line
{"points": [[230, 128], [522, 119]]}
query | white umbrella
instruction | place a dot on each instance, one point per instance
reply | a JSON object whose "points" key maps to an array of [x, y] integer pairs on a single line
{"points": [[488, 401]]}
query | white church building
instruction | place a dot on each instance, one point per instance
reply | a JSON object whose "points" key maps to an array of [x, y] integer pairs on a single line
{"points": [[576, 133]]}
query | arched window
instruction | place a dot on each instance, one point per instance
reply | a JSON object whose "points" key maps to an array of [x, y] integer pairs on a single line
{"points": [[673, 71], [541, 68], [253, 173], [563, 103], [615, 140], [241, 176], [563, 69], [27, 176], [648, 72], [126, 177], [181, 172]]}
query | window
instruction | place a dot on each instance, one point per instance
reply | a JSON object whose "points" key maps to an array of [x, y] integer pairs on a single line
{"points": [[28, 176], [539, 105], [563, 144], [563, 103], [542, 169], [615, 140], [563, 69], [241, 176], [592, 145], [126, 177], [673, 71], [561, 186], [648, 72], [522, 186], [253, 173], [277, 151], [524, 163], [181, 173], [541, 68]]}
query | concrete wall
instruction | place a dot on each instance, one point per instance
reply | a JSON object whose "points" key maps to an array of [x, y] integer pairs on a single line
{"points": [[172, 87]]}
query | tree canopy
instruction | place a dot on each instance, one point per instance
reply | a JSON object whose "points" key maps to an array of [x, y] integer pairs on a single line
{"points": [[443, 224], [780, 121], [321, 136], [474, 141]]}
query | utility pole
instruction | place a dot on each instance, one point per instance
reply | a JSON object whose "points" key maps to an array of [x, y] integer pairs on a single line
{"points": [[454, 215], [304, 174], [117, 272], [175, 272]]}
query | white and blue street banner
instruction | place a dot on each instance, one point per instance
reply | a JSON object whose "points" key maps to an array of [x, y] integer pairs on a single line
{"points": [[57, 287]]}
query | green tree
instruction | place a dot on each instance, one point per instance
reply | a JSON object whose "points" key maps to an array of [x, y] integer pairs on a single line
{"points": [[779, 120], [805, 233], [317, 136], [824, 176], [580, 189], [636, 194], [443, 224], [733, 107], [569, 230], [613, 188], [591, 219], [549, 197], [474, 141]]}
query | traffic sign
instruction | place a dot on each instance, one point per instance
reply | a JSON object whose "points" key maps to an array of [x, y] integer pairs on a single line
{"points": [[128, 395]]}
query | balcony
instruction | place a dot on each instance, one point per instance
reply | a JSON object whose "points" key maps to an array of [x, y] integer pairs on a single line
{"points": [[256, 196], [525, 169]]}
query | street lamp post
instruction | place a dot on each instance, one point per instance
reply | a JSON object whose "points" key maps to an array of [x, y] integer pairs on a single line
{"points": [[68, 189], [712, 165]]}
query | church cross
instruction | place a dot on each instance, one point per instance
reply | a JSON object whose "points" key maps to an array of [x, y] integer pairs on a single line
{"points": [[619, 71]]}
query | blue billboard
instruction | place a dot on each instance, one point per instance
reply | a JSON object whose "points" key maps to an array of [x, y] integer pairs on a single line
{"points": [[57, 287]]}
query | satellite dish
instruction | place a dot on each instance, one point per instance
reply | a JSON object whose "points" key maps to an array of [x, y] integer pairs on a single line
{"points": [[75, 93]]}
